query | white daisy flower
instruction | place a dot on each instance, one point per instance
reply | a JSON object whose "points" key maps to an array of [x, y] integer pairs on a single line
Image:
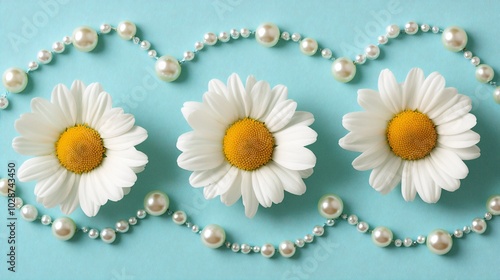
{"points": [[247, 141], [83, 148], [417, 133]]}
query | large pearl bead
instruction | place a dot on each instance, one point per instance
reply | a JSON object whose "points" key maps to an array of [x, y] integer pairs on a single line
{"points": [[126, 30], [63, 228], [14, 80], [478, 225], [267, 34], [156, 203], [308, 46], [44, 56], [4, 187], [454, 38], [393, 31], [167, 68], [84, 39], [330, 206], [287, 248], [29, 212], [372, 52], [267, 250], [493, 205], [213, 236], [382, 236], [439, 242], [343, 69], [108, 235], [122, 226], [484, 73]]}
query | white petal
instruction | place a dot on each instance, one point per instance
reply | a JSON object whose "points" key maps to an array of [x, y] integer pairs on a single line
{"points": [[118, 173], [248, 195], [89, 101], [267, 186], [371, 102], [50, 113], [280, 115], [364, 122], [411, 87], [457, 126], [449, 162], [460, 109], [115, 123], [198, 159], [408, 189], [442, 179], [264, 99], [462, 140], [61, 190], [226, 181], [291, 180], [298, 135], [190, 107], [429, 92], [133, 137], [30, 147], [372, 158], [217, 86], [72, 201], [84, 194], [38, 168], [360, 142], [112, 188], [449, 97], [204, 178], [237, 95], [234, 193], [390, 91], [385, 177], [293, 157], [426, 187], [468, 153], [202, 121], [62, 98], [210, 192], [222, 109], [306, 173], [131, 157], [301, 118], [51, 184], [77, 89]]}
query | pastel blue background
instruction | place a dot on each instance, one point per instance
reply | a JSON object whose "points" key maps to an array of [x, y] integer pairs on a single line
{"points": [[157, 248]]}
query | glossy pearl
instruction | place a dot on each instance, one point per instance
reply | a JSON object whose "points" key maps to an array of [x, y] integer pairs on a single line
{"points": [[67, 40], [458, 233], [126, 30], [484, 73], [362, 227], [267, 250], [352, 219], [84, 39], [435, 29], [300, 242], [454, 38], [439, 242], [152, 53], [475, 61], [382, 40], [132, 221], [407, 242], [235, 34], [420, 239], [213, 236], [93, 233], [479, 225], [285, 36], [141, 214], [63, 228], [4, 103], [32, 65], [287, 248], [392, 31], [318, 230], [145, 45], [210, 38], [360, 59], [267, 34], [308, 238], [108, 235], [4, 186], [167, 68], [343, 69], [44, 56], [425, 27], [296, 37], [308, 46], [245, 32], [179, 217], [29, 212], [14, 80], [330, 206], [382, 236], [188, 55], [411, 28], [156, 203], [245, 248], [198, 46], [493, 203], [372, 52], [326, 53], [58, 47], [224, 37], [105, 28], [467, 54], [122, 226], [46, 220], [18, 202]]}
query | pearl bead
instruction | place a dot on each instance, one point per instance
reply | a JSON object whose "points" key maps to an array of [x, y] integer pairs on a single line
{"points": [[296, 37], [63, 228], [267, 250], [234, 33], [425, 27], [330, 222], [156, 203], [195, 228], [44, 56], [420, 239], [475, 61], [267, 34], [398, 242], [411, 28], [4, 182], [32, 65], [66, 40], [141, 214], [488, 216], [454, 38], [18, 202], [318, 230], [108, 235], [382, 40], [245, 248], [300, 242], [309, 238], [126, 30], [122, 226], [58, 47], [256, 249], [360, 59], [245, 32], [210, 39], [235, 247], [29, 212], [382, 236], [85, 229], [213, 236], [439, 242], [145, 45], [84, 39], [93, 233], [435, 29], [352, 219], [458, 233], [308, 46], [468, 54], [132, 221], [466, 229], [285, 36], [363, 227], [179, 217], [152, 53], [14, 80], [484, 73], [392, 31], [167, 68], [493, 203], [343, 70], [188, 55], [479, 225], [224, 37], [326, 53], [46, 220], [407, 242], [198, 46], [330, 206], [105, 28], [287, 248], [4, 103], [372, 51]]}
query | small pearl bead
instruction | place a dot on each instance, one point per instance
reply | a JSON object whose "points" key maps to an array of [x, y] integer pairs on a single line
{"points": [[63, 228], [407, 242], [466, 229], [435, 29], [156, 203], [468, 54], [141, 214], [267, 250], [309, 238], [198, 46], [210, 38], [458, 233], [372, 52], [179, 217], [454, 38], [285, 36], [398, 242], [330, 222], [479, 225], [105, 28], [213, 236], [58, 47], [145, 45], [152, 53], [493, 203], [360, 59], [343, 70], [224, 37], [4, 182], [484, 73], [352, 219], [308, 46], [296, 37], [136, 40], [392, 31], [44, 56], [93, 233], [330, 206], [425, 27], [195, 228], [46, 220], [18, 202], [326, 53], [84, 39], [14, 80], [67, 40], [300, 242], [488, 216], [475, 61], [245, 248], [234, 33], [256, 249], [421, 239], [363, 227], [4, 103], [411, 28], [29, 212], [188, 55], [108, 235], [126, 30], [267, 34], [382, 40], [439, 242], [382, 236], [132, 221], [167, 68], [235, 247], [318, 230], [245, 33], [287, 248], [32, 65], [85, 229], [122, 226]]}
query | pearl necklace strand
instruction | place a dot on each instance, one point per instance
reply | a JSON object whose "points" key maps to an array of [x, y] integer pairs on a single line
{"points": [[168, 68]]}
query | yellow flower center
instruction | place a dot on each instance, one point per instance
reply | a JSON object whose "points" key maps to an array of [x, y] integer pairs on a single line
{"points": [[411, 135], [80, 149], [248, 144]]}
